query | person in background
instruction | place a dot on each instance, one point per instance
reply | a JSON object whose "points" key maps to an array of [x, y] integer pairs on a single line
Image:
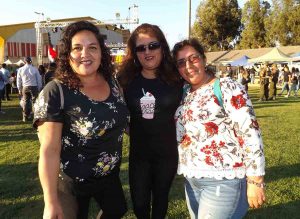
{"points": [[273, 82], [264, 77], [2, 87], [29, 83], [252, 75], [219, 141], [229, 71], [81, 139], [152, 90], [49, 75], [293, 83], [298, 75], [42, 72], [286, 77], [245, 78], [6, 75]]}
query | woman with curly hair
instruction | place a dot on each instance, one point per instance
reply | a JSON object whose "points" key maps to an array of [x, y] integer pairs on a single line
{"points": [[219, 141], [152, 91], [81, 117]]}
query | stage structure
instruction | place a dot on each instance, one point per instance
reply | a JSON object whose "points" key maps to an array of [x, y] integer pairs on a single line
{"points": [[42, 27]]}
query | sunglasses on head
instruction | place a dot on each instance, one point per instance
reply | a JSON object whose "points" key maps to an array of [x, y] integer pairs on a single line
{"points": [[150, 46], [194, 58]]}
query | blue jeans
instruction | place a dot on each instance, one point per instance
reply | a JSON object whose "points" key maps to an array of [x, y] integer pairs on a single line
{"points": [[208, 198]]}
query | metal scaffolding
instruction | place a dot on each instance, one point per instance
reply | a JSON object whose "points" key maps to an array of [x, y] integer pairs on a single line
{"points": [[40, 26]]}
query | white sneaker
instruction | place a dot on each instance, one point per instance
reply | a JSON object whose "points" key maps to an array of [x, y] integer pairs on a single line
{"points": [[286, 96]]}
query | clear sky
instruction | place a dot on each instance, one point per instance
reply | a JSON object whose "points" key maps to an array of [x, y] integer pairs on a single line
{"points": [[170, 15]]}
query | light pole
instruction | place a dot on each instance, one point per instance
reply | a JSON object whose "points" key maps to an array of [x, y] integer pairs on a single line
{"points": [[39, 13], [189, 19]]}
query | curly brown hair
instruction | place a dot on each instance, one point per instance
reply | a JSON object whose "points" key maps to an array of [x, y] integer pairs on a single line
{"points": [[64, 71], [131, 66]]}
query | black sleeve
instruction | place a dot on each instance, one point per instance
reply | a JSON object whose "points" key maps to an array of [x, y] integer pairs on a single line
{"points": [[47, 106]]}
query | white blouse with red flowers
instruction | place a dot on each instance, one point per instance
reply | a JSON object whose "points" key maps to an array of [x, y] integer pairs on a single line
{"points": [[215, 141]]}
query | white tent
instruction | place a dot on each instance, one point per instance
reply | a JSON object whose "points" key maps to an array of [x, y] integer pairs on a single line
{"points": [[275, 55], [19, 62], [8, 62]]}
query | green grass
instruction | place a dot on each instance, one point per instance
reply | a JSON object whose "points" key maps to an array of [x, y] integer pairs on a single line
{"points": [[21, 194]]}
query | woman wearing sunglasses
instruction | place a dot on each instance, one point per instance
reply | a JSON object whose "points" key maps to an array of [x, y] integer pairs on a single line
{"points": [[152, 91], [219, 141]]}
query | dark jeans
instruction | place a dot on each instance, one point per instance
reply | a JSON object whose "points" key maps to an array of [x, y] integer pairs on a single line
{"points": [[108, 193], [1, 96], [30, 94], [151, 179], [7, 91]]}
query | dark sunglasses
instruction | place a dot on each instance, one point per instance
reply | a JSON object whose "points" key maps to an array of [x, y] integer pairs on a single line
{"points": [[150, 46], [194, 58]]}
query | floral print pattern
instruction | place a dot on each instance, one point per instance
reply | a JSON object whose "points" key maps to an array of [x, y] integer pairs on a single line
{"points": [[216, 141], [105, 163], [92, 130]]}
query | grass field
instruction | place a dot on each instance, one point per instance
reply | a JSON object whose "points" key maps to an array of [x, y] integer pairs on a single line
{"points": [[21, 194]]}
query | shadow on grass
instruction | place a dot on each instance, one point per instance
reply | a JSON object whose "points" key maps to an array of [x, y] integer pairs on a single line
{"points": [[19, 181], [18, 134], [280, 172], [22, 210], [280, 211]]}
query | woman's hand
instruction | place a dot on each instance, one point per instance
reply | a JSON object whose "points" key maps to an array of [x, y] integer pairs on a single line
{"points": [[53, 211], [255, 194]]}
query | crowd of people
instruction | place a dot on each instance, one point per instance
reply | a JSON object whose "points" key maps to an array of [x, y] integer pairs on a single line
{"points": [[27, 81], [271, 77], [180, 117]]}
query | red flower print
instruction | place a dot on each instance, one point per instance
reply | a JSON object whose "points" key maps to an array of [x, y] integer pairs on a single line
{"points": [[241, 141], [216, 100], [238, 101], [222, 144], [189, 114], [212, 151], [238, 164], [208, 161], [186, 141], [211, 128], [254, 124]]}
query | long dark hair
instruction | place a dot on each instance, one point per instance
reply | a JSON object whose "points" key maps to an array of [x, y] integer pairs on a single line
{"points": [[131, 66], [64, 72]]}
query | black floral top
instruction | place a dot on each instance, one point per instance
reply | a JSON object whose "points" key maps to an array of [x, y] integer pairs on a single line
{"points": [[92, 130]]}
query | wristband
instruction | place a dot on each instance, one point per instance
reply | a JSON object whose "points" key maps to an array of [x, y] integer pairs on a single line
{"points": [[260, 185]]}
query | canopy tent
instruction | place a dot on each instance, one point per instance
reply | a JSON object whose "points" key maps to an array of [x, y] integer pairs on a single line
{"points": [[243, 61], [8, 62], [297, 54], [275, 55], [19, 62], [296, 59]]}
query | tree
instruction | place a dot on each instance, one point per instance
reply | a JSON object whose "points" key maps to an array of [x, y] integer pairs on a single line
{"points": [[253, 17], [217, 23], [283, 25]]}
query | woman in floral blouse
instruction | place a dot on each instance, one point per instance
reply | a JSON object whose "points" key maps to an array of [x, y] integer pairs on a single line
{"points": [[220, 145], [81, 139]]}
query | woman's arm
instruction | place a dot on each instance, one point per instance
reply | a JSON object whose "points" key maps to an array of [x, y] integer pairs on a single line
{"points": [[49, 162], [255, 191]]}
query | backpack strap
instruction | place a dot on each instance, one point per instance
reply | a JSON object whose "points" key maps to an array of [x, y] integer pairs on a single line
{"points": [[217, 91], [61, 93]]}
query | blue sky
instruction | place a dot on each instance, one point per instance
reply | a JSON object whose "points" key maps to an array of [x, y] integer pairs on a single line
{"points": [[170, 15]]}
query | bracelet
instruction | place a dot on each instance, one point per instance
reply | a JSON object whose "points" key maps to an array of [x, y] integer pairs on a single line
{"points": [[260, 185]]}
